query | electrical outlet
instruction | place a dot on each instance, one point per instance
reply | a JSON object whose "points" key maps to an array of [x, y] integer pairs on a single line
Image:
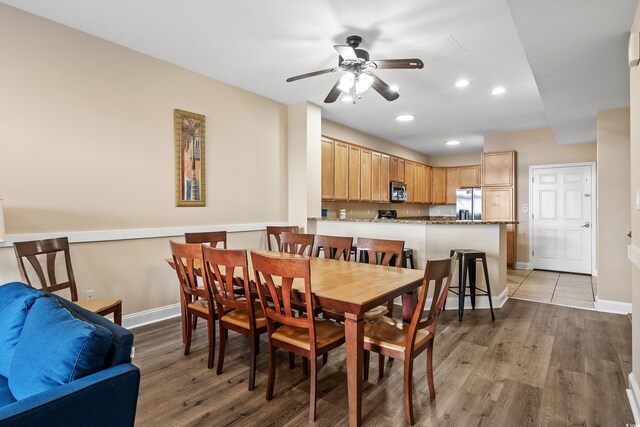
{"points": [[89, 295]]}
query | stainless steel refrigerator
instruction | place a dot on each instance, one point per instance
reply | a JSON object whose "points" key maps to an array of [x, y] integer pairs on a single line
{"points": [[469, 204]]}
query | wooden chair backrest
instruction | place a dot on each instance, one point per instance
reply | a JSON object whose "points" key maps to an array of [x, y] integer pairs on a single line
{"points": [[50, 248], [274, 278], [187, 257], [275, 231], [222, 280], [439, 272], [386, 249], [210, 237], [296, 243], [333, 247]]}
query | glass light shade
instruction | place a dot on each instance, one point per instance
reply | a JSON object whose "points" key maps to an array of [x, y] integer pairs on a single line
{"points": [[346, 82], [363, 82]]}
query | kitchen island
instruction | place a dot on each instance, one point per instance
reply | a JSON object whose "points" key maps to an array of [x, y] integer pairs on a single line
{"points": [[434, 238]]}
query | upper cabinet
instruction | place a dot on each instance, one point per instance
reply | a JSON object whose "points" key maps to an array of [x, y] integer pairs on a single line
{"points": [[409, 180], [401, 171], [453, 183], [327, 170], [428, 179], [365, 175], [439, 187], [354, 173], [469, 176], [340, 170], [498, 169], [384, 177], [418, 194]]}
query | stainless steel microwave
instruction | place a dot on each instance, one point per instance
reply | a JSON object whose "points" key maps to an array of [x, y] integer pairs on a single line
{"points": [[397, 191]]}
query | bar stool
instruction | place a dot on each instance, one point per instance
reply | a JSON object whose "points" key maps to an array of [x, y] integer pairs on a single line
{"points": [[467, 259], [407, 257]]}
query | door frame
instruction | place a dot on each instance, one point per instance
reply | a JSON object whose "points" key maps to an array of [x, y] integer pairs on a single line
{"points": [[594, 200]]}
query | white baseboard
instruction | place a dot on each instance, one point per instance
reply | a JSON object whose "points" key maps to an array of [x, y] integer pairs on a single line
{"points": [[482, 301], [609, 306], [522, 266], [153, 315], [633, 394]]}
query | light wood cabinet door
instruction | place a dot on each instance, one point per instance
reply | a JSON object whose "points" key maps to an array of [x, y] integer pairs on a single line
{"points": [[401, 171], [393, 169], [498, 169], [469, 176], [365, 175], [376, 195], [354, 173], [428, 183], [384, 177], [327, 165], [453, 183], [409, 179], [497, 204], [439, 180], [418, 195], [341, 171]]}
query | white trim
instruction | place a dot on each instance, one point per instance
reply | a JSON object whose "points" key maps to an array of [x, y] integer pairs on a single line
{"points": [[522, 266], [633, 394], [135, 233], [594, 202], [633, 253], [153, 315], [609, 306]]}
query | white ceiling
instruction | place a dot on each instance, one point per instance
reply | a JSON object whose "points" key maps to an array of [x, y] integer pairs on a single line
{"points": [[576, 49]]}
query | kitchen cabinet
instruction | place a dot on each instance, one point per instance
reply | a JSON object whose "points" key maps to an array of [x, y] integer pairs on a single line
{"points": [[376, 195], [393, 169], [428, 174], [384, 177], [354, 173], [401, 171], [498, 169], [469, 176], [409, 179], [365, 175], [452, 184], [418, 195], [439, 187], [497, 204], [327, 165], [340, 171]]}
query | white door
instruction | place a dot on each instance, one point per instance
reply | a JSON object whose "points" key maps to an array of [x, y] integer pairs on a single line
{"points": [[561, 218]]}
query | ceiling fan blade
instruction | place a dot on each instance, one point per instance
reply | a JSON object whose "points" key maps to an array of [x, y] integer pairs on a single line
{"points": [[334, 93], [383, 89], [313, 74], [346, 52], [398, 63]]}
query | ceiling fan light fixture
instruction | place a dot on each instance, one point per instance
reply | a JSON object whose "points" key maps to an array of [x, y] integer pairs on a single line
{"points": [[346, 82], [363, 82], [394, 88], [347, 99]]}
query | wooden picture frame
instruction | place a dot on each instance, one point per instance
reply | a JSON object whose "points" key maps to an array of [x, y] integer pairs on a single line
{"points": [[189, 132]]}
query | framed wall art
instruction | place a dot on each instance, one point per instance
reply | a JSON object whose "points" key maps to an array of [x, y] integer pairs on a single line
{"points": [[189, 129]]}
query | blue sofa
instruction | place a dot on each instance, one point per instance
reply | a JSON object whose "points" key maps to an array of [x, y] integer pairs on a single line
{"points": [[61, 365]]}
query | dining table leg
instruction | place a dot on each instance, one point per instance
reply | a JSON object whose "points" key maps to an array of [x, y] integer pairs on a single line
{"points": [[354, 337]]}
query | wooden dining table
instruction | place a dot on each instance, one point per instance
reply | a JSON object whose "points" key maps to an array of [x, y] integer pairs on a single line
{"points": [[354, 288]]}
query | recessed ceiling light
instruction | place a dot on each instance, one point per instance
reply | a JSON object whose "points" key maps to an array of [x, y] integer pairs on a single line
{"points": [[405, 117], [453, 142], [394, 88], [499, 90], [462, 83], [347, 99]]}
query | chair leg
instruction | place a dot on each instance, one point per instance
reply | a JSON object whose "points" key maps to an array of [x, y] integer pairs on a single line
{"points": [[272, 371], [222, 342], [432, 388], [486, 279], [305, 366], [117, 315], [325, 358], [211, 329], [253, 344], [313, 383], [462, 287], [380, 365], [365, 364], [195, 321], [187, 339], [292, 360], [390, 307], [408, 391], [183, 310]]}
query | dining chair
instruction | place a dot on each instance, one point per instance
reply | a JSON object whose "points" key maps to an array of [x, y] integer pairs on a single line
{"points": [[296, 243], [405, 342], [274, 231], [51, 247], [303, 335], [210, 237], [226, 269], [198, 300], [333, 247]]}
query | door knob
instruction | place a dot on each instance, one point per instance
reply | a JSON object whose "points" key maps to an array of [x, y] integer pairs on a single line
{"points": [[586, 225]]}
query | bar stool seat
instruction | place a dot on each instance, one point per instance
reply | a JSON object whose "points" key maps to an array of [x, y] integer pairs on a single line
{"points": [[467, 259]]}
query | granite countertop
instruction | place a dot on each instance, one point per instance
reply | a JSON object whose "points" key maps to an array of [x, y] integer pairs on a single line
{"points": [[413, 220]]}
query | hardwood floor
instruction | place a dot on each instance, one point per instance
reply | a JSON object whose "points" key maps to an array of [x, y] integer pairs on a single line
{"points": [[537, 365]]}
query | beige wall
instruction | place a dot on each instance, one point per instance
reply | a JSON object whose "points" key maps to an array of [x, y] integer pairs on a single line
{"points": [[458, 159], [86, 138], [613, 207], [534, 147]]}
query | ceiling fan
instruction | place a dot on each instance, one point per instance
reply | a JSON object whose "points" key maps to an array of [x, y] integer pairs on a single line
{"points": [[359, 77]]}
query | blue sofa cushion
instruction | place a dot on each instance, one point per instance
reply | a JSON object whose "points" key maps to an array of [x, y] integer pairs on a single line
{"points": [[5, 394], [55, 348], [13, 317], [10, 292]]}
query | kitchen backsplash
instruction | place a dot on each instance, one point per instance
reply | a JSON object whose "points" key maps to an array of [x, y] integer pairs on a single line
{"points": [[369, 210]]}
